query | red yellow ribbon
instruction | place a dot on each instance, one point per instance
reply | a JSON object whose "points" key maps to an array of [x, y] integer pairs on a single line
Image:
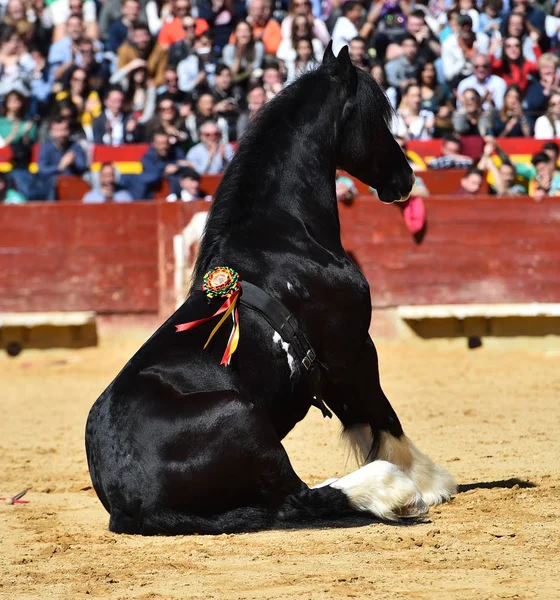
{"points": [[229, 307]]}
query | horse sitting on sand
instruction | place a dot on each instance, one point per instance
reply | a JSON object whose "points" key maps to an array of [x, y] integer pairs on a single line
{"points": [[187, 438]]}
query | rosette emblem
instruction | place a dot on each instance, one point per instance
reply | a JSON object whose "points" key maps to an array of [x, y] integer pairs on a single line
{"points": [[221, 282]]}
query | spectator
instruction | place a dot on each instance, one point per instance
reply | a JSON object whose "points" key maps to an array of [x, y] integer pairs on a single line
{"points": [[490, 87], [272, 81], [430, 91], [503, 176], [345, 189], [58, 156], [15, 17], [413, 123], [88, 103], [184, 47], [196, 72], [512, 67], [541, 87], [451, 158], [18, 133], [547, 180], [471, 119], [490, 21], [516, 26], [189, 186], [139, 91], [303, 7], [142, 47], [547, 126], [357, 49], [16, 64], [172, 29], [402, 71], [114, 127], [227, 100], [92, 63], [107, 189], [265, 29], [377, 71], [511, 121], [346, 26], [429, 47], [61, 10], [387, 21], [9, 195], [170, 88], [534, 16], [204, 111], [158, 12], [471, 182], [301, 28], [220, 16], [459, 48], [211, 155], [468, 7], [161, 161], [167, 119], [256, 99], [304, 61], [245, 56], [121, 29]]}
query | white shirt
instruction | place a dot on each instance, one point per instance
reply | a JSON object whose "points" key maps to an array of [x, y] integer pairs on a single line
{"points": [[544, 129], [494, 84], [114, 137], [344, 31]]}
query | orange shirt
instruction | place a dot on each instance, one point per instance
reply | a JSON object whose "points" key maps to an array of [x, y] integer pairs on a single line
{"points": [[172, 31], [270, 35]]}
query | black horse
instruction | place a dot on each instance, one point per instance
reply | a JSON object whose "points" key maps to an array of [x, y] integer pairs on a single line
{"points": [[179, 443]]}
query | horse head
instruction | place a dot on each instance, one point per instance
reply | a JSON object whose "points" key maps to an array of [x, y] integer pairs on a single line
{"points": [[366, 148]]}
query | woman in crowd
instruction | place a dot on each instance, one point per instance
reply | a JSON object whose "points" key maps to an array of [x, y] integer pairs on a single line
{"points": [[304, 61], [471, 119], [245, 55], [547, 126], [167, 118], [301, 28], [511, 121], [377, 71], [87, 102], [16, 64], [512, 67], [139, 92], [16, 18], [430, 91], [412, 121], [518, 27]]}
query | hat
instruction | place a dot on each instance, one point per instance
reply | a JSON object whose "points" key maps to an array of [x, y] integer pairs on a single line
{"points": [[188, 172], [465, 20]]}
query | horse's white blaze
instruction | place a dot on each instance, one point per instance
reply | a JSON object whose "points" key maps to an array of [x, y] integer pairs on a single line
{"points": [[277, 339], [436, 483], [384, 490]]}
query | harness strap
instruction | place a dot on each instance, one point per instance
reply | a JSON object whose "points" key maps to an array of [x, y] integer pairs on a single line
{"points": [[282, 320]]}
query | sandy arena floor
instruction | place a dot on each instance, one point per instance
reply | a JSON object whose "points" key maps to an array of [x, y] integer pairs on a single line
{"points": [[491, 416]]}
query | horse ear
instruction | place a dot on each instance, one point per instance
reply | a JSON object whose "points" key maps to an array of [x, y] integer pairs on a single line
{"points": [[329, 56], [347, 69]]}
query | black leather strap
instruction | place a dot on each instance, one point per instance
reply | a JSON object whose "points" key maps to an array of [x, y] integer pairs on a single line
{"points": [[282, 320]]}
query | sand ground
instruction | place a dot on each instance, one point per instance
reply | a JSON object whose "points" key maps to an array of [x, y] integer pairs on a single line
{"points": [[490, 415]]}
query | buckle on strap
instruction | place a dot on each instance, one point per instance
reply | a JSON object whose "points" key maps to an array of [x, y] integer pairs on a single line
{"points": [[309, 359]]}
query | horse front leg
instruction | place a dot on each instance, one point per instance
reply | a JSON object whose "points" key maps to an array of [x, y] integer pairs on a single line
{"points": [[374, 432]]}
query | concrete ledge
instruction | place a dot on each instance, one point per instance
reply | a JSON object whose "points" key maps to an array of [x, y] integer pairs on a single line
{"points": [[19, 331]]}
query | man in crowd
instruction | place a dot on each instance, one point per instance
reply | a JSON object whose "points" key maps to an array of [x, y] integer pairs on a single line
{"points": [[142, 46], [107, 189], [451, 157], [402, 71], [172, 30], [58, 156], [490, 87], [184, 47], [189, 186], [265, 29], [227, 102], [210, 156], [113, 126], [547, 181], [471, 183], [120, 30]]}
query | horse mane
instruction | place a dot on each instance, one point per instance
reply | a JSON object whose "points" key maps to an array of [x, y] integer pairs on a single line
{"points": [[265, 146]]}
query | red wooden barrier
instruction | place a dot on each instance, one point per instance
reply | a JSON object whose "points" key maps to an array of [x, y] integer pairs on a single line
{"points": [[118, 258]]}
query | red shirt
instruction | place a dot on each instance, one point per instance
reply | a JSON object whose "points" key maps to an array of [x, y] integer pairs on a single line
{"points": [[172, 31], [519, 75]]}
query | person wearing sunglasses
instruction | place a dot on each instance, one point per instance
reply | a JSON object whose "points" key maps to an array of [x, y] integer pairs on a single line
{"points": [[490, 87], [547, 126], [184, 47]]}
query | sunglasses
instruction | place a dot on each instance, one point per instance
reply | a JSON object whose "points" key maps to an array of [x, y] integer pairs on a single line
{"points": [[481, 66], [212, 134], [189, 26]]}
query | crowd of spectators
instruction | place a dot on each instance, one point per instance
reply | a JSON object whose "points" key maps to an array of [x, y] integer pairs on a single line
{"points": [[187, 76]]}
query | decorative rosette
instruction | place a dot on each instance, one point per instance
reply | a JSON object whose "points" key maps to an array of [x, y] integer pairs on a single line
{"points": [[221, 281]]}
